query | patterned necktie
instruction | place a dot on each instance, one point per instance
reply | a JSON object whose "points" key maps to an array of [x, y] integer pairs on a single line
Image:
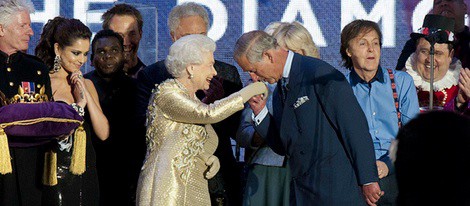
{"points": [[283, 88]]}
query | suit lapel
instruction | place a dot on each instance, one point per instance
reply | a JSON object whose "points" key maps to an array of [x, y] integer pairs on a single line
{"points": [[295, 78], [288, 128]]}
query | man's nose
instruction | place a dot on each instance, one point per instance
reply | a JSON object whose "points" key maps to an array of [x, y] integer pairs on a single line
{"points": [[30, 31], [127, 41]]}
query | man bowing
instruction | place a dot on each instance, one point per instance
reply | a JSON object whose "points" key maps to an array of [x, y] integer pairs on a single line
{"points": [[317, 123]]}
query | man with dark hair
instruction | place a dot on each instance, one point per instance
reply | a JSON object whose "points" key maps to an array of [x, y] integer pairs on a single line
{"points": [[186, 19], [454, 9], [120, 157], [20, 71], [127, 21], [381, 93]]}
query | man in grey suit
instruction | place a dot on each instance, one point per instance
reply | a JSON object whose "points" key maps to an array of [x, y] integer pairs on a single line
{"points": [[316, 122]]}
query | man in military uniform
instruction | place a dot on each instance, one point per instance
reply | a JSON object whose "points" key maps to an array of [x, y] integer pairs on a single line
{"points": [[23, 78]]}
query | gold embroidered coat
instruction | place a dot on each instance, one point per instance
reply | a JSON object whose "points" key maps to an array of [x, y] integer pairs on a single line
{"points": [[178, 132]]}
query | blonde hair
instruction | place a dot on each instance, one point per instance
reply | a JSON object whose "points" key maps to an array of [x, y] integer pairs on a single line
{"points": [[295, 37], [274, 27]]}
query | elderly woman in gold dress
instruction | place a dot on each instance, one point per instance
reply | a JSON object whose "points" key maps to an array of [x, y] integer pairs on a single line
{"points": [[180, 139]]}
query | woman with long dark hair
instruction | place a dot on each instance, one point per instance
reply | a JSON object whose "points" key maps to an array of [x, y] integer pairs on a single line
{"points": [[64, 46]]}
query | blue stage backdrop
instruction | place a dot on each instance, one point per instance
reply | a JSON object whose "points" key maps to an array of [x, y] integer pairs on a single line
{"points": [[231, 18]]}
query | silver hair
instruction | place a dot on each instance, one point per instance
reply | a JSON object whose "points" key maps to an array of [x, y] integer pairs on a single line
{"points": [[186, 51], [185, 10], [253, 44], [12, 7]]}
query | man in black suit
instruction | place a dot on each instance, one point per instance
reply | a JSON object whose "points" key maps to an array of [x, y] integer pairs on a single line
{"points": [[317, 123], [119, 157], [186, 19]]}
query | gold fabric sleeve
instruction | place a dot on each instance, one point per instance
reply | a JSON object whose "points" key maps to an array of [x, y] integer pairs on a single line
{"points": [[178, 107]]}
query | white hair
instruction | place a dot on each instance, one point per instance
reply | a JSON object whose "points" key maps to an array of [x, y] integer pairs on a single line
{"points": [[12, 7], [186, 10], [188, 50]]}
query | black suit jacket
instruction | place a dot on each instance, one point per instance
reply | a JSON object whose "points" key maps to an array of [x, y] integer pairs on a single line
{"points": [[226, 129], [125, 146], [325, 138]]}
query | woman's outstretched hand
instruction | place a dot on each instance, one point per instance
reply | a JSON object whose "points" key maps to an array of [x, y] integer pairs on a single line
{"points": [[254, 89]]}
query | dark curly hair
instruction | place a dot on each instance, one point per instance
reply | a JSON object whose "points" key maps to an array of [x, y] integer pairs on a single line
{"points": [[62, 31]]}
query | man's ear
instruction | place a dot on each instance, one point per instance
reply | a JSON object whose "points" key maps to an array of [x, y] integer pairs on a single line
{"points": [[269, 55], [172, 34], [348, 53], [140, 34], [2, 30]]}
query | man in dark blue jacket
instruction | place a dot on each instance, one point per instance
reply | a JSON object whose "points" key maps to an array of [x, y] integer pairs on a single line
{"points": [[316, 122]]}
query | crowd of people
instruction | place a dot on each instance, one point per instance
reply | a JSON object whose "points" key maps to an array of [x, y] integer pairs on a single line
{"points": [[160, 134]]}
